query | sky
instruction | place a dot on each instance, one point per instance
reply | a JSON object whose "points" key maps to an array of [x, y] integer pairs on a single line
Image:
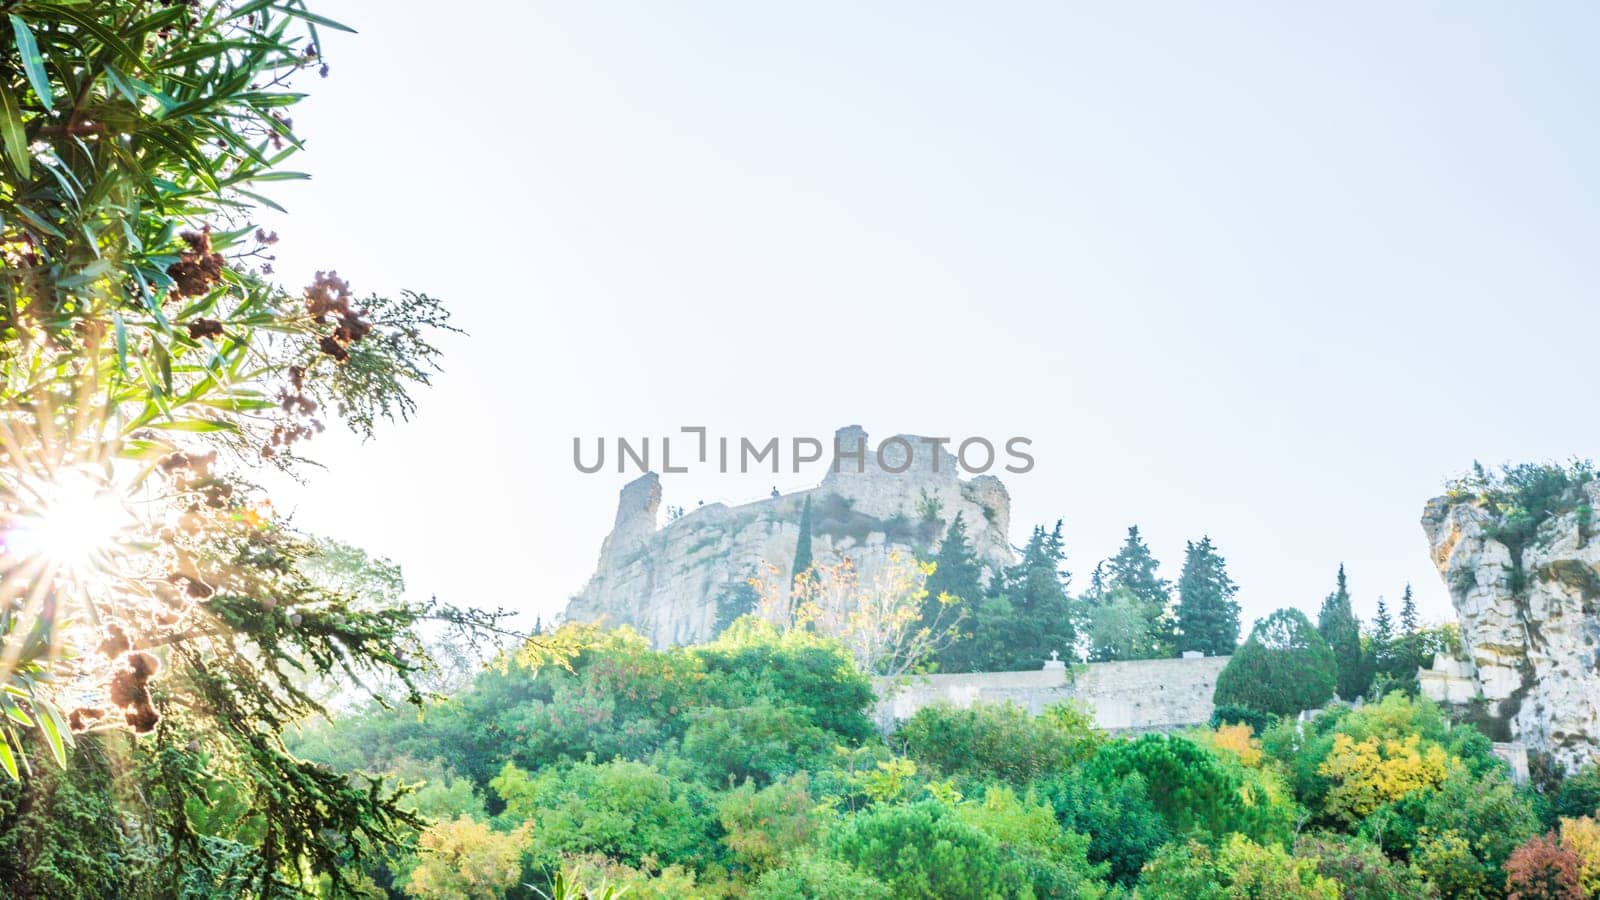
{"points": [[1269, 273]]}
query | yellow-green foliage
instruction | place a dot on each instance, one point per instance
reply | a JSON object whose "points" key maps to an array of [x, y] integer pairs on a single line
{"points": [[1582, 837], [465, 860], [592, 875], [1241, 868], [1448, 861], [1369, 773], [1237, 739], [763, 826]]}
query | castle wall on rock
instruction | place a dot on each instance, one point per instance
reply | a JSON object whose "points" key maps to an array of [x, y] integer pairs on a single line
{"points": [[1531, 634], [1140, 695], [666, 581]]}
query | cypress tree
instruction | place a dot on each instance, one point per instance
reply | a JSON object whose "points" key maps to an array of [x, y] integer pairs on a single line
{"points": [[1134, 569], [957, 571], [1410, 652], [1037, 589], [802, 549], [1341, 631], [1207, 616], [1383, 645]]}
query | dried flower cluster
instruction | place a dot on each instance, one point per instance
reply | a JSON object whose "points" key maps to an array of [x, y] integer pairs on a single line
{"points": [[128, 690], [328, 296], [300, 408], [198, 268]]}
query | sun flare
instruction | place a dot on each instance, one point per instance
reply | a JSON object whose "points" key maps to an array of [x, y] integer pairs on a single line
{"points": [[73, 523]]}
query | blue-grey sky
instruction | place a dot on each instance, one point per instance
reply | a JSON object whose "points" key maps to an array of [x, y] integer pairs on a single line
{"points": [[1266, 272]]}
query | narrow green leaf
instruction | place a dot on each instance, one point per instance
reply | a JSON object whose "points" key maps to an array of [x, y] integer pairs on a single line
{"points": [[316, 19], [121, 330], [32, 61], [16, 714], [196, 425], [16, 140], [7, 760], [163, 365], [54, 735]]}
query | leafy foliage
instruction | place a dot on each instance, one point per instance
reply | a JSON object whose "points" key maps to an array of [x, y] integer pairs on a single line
{"points": [[924, 850], [1207, 615], [998, 741], [1341, 631], [1284, 667]]}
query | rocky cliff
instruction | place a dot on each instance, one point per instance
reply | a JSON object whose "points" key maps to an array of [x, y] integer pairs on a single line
{"points": [[1530, 627], [676, 583]]}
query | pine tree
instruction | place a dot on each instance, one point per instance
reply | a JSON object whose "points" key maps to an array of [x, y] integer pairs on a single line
{"points": [[1037, 588], [1207, 616], [1383, 645], [1409, 656], [957, 571], [1134, 569], [1341, 630], [1025, 614], [802, 548]]}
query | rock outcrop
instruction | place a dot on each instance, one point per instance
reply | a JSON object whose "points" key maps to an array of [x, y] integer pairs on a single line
{"points": [[676, 583], [1530, 628]]}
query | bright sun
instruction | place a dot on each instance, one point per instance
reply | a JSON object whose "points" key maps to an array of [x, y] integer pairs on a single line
{"points": [[73, 522]]}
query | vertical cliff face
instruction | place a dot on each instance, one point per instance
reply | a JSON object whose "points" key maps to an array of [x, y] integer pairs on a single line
{"points": [[672, 583], [1531, 629]]}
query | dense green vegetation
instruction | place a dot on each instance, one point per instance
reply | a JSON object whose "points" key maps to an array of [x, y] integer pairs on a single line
{"points": [[749, 768]]}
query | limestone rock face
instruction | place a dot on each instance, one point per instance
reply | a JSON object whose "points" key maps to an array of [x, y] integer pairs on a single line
{"points": [[1534, 652], [666, 582]]}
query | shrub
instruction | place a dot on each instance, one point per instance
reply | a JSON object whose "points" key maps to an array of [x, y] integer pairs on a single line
{"points": [[1447, 862], [796, 670], [1359, 867], [759, 742], [818, 878], [762, 826], [1236, 739], [1124, 828], [1459, 835], [1241, 868], [1230, 713], [625, 810], [464, 858], [1579, 793], [922, 850], [1056, 861], [591, 875], [1582, 837], [1192, 788], [997, 741], [1542, 869], [1284, 667], [1368, 774]]}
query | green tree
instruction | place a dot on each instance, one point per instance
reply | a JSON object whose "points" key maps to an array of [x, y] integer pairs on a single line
{"points": [[629, 811], [924, 850], [1341, 631], [1207, 616], [1409, 654], [1037, 587], [1134, 570], [1383, 640], [957, 572], [1024, 616], [1240, 868], [1283, 668], [802, 549], [1123, 826], [998, 741]]}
